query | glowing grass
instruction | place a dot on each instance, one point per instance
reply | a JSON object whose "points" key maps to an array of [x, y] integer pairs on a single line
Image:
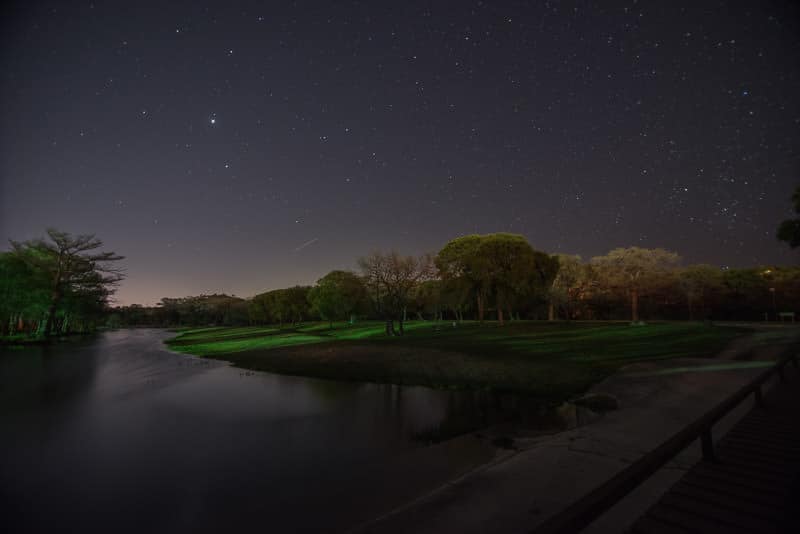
{"points": [[225, 332], [227, 347], [552, 360]]}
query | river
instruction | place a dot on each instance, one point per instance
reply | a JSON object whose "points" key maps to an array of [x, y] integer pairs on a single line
{"points": [[118, 434]]}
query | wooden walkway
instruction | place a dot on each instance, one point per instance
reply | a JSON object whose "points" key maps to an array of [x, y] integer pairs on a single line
{"points": [[753, 485]]}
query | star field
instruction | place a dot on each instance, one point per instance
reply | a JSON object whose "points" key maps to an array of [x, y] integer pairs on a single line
{"points": [[240, 146]]}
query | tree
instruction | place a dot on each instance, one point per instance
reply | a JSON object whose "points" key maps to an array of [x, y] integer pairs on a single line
{"points": [[789, 230], [427, 298], [571, 284], [23, 295], [747, 292], [500, 266], [390, 279], [457, 263], [507, 267], [337, 295], [295, 300], [697, 283], [634, 269], [70, 266]]}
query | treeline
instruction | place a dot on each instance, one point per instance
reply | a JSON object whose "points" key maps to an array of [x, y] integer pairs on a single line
{"points": [[499, 277], [57, 285]]}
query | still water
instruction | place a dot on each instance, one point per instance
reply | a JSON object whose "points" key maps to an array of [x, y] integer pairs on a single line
{"points": [[118, 434]]}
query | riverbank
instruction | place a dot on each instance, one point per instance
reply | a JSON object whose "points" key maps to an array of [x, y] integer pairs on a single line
{"points": [[25, 340], [551, 361]]}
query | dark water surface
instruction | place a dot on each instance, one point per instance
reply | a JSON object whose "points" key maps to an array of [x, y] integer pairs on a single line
{"points": [[117, 434]]}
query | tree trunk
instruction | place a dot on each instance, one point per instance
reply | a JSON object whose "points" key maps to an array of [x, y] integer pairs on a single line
{"points": [[389, 327], [500, 315], [400, 325], [551, 311], [634, 305], [480, 309], [51, 312], [691, 311]]}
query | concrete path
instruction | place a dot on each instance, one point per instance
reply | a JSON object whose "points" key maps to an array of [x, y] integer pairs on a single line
{"points": [[520, 490]]}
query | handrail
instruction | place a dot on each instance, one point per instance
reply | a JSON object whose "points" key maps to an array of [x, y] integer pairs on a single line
{"points": [[581, 513]]}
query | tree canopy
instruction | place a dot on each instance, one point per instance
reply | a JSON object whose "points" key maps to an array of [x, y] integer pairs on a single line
{"points": [[634, 270], [390, 280], [501, 267], [76, 279], [338, 295]]}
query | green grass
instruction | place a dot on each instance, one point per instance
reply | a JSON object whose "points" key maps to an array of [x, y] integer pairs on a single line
{"points": [[552, 360]]}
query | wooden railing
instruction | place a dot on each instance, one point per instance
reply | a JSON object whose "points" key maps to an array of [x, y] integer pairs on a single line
{"points": [[580, 514]]}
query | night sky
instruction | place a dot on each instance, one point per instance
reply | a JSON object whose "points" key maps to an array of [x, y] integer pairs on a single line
{"points": [[245, 146]]}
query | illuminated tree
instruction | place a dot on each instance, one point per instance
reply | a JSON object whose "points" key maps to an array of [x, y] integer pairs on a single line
{"points": [[500, 266], [71, 267], [337, 295], [456, 263], [634, 270], [508, 268], [23, 294], [572, 282]]}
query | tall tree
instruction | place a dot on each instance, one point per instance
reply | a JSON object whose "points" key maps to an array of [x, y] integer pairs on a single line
{"points": [[506, 266], [571, 283], [71, 265], [500, 266], [634, 270], [338, 295], [391, 279], [23, 294], [457, 263]]}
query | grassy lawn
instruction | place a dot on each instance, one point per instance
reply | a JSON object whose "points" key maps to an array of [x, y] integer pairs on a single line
{"points": [[551, 360]]}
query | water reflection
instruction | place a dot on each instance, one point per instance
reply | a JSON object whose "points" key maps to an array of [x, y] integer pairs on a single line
{"points": [[116, 433]]}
